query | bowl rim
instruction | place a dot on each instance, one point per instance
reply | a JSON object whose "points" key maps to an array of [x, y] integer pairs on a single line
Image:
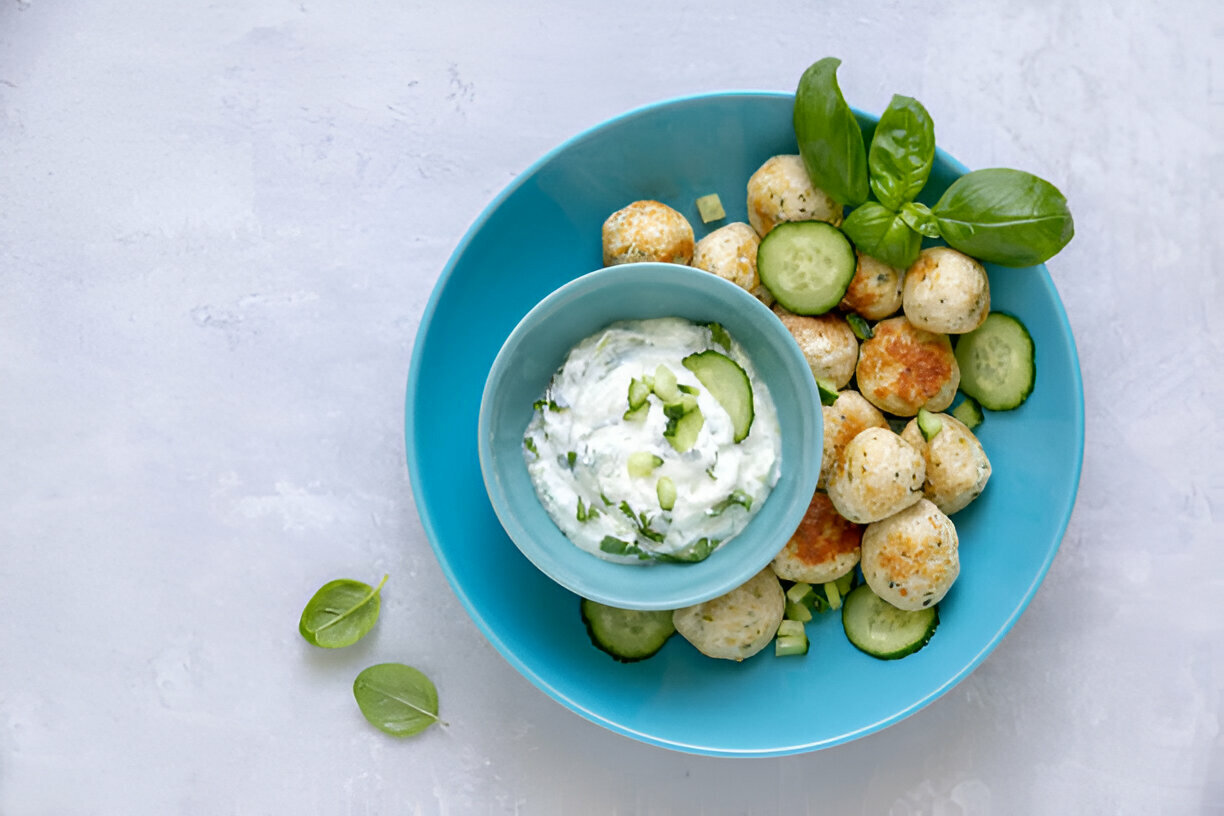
{"points": [[415, 476], [614, 585]]}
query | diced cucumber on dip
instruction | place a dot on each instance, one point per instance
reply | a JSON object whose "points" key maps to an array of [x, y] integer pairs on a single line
{"points": [[656, 441], [806, 265]]}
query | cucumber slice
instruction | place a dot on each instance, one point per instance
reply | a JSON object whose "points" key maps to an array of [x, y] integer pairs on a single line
{"points": [[791, 639], [665, 385], [827, 391], [969, 412], [800, 593], [665, 490], [719, 335], [637, 414], [710, 208], [879, 629], [806, 265], [845, 583], [681, 432], [628, 635], [996, 361], [642, 463], [682, 406], [928, 424], [797, 612], [861, 328], [833, 594], [639, 390], [729, 384]]}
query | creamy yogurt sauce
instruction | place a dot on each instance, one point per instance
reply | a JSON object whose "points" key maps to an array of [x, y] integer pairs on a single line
{"points": [[586, 459]]}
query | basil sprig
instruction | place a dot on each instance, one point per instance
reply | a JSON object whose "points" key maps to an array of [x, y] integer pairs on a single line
{"points": [[1007, 217], [341, 613], [397, 699], [881, 233], [1001, 216], [830, 139], [902, 152]]}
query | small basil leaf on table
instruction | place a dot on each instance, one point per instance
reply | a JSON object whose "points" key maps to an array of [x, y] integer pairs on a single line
{"points": [[340, 613], [902, 152], [397, 699], [919, 218], [830, 139], [881, 233], [1004, 216]]}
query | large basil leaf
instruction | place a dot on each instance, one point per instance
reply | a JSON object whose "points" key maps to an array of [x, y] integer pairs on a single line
{"points": [[1004, 216], [881, 233], [341, 613], [902, 152], [397, 699], [830, 139]]}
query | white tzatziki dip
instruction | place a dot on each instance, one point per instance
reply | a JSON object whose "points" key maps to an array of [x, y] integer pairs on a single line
{"points": [[633, 449]]}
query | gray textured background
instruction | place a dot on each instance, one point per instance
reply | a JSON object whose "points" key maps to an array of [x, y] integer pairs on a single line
{"points": [[219, 226]]}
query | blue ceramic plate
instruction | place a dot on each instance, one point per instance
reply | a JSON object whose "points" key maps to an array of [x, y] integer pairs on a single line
{"points": [[536, 348], [543, 231]]}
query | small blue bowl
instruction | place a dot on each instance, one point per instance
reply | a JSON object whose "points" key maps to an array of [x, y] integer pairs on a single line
{"points": [[538, 346]]}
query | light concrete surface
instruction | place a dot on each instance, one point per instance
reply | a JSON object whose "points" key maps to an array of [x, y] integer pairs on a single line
{"points": [[219, 226]]}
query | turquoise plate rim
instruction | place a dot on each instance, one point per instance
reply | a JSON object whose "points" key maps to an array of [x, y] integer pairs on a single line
{"points": [[415, 475]]}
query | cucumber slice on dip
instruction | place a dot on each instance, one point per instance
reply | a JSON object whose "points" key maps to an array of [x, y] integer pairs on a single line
{"points": [[729, 384]]}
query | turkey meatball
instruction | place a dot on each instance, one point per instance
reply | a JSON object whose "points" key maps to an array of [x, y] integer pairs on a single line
{"points": [[878, 474], [845, 419], [910, 559], [738, 624], [903, 368], [647, 231], [956, 464], [824, 547], [730, 252], [827, 342], [946, 291], [875, 290], [781, 191]]}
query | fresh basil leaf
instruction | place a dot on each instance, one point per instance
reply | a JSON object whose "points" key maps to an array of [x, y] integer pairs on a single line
{"points": [[919, 218], [881, 233], [397, 699], [340, 613], [902, 152], [1004, 216], [830, 139]]}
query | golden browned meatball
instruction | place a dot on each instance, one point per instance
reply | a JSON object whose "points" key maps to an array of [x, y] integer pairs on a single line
{"points": [[824, 547], [903, 368], [878, 474], [956, 465], [647, 231], [946, 291], [780, 190], [738, 624], [875, 290], [911, 559], [827, 342], [845, 419], [730, 252]]}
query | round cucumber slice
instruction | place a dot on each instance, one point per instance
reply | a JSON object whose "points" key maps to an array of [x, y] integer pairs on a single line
{"points": [[806, 265]]}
